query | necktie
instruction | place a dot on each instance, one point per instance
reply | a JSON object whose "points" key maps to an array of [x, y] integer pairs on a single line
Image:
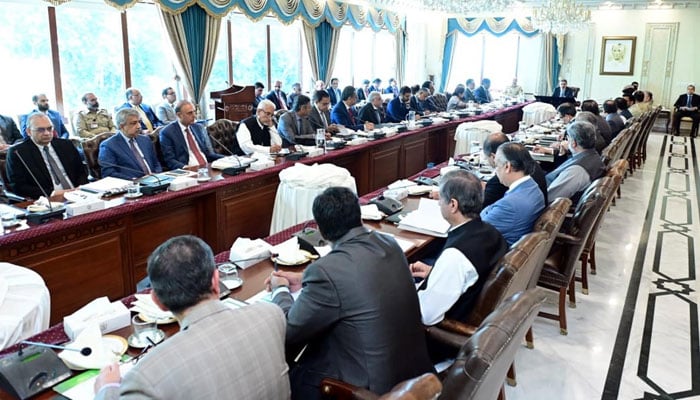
{"points": [[283, 104], [56, 174], [193, 146], [690, 101], [144, 118], [352, 117], [138, 157], [299, 126]]}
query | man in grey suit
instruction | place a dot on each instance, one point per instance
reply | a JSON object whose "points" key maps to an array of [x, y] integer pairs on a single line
{"points": [[294, 126], [358, 314], [219, 353], [320, 115], [165, 111]]}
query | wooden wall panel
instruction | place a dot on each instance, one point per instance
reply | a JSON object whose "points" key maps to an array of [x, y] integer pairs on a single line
{"points": [[414, 156], [384, 165]]}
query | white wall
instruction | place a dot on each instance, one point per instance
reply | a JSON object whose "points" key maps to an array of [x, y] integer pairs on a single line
{"points": [[581, 64], [424, 46]]}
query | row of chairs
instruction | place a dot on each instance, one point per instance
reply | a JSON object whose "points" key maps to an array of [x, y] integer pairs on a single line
{"points": [[548, 257]]}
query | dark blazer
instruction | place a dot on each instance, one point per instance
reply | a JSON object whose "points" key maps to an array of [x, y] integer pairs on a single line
{"points": [[56, 121], [683, 101], [174, 147], [469, 95], [397, 110], [20, 180], [335, 96], [289, 130], [315, 118], [359, 317], [115, 153], [341, 116], [568, 92], [9, 130], [392, 90], [360, 95], [481, 96], [272, 96], [367, 114], [149, 113]]}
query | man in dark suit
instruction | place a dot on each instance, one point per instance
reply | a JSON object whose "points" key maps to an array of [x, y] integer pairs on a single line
{"points": [[278, 97], [134, 100], [343, 114], [482, 94], [259, 87], [376, 86], [563, 90], [9, 134], [320, 115], [294, 126], [687, 106], [399, 107], [185, 143], [392, 88], [41, 103], [363, 92], [469, 91], [128, 154], [373, 111], [334, 92], [53, 162], [358, 314]]}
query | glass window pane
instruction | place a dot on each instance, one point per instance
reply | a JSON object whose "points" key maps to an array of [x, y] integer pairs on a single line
{"points": [[24, 29], [249, 55], [384, 56], [343, 59], [152, 66], [92, 59], [362, 47], [285, 53], [500, 59], [466, 61]]}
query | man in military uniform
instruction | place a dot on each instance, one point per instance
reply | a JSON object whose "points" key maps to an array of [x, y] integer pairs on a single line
{"points": [[93, 120]]}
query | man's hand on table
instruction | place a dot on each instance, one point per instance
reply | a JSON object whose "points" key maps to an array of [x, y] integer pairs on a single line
{"points": [[284, 278], [108, 376]]}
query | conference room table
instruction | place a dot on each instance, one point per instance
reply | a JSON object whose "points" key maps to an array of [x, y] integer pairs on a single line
{"points": [[254, 276], [104, 253]]}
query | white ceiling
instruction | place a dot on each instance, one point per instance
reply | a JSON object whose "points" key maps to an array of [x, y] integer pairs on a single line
{"points": [[629, 4]]}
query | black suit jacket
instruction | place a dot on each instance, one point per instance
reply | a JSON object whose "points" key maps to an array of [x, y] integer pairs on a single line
{"points": [[358, 315], [361, 94], [367, 114], [683, 101], [568, 92], [335, 97], [21, 181], [9, 130], [272, 96]]}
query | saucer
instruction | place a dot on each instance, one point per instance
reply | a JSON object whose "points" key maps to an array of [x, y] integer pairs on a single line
{"points": [[204, 179], [232, 283], [133, 196], [136, 343]]}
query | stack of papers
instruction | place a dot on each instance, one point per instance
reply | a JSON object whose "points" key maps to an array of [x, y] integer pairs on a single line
{"points": [[371, 212], [427, 219]]}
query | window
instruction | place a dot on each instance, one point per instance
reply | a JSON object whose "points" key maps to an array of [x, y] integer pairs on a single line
{"points": [[249, 54], [285, 54], [92, 59], [24, 28], [150, 53], [365, 54]]}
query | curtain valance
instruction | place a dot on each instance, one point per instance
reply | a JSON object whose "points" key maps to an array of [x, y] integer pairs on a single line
{"points": [[495, 26]]}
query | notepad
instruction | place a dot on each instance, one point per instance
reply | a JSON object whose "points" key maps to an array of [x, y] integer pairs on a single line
{"points": [[427, 219]]}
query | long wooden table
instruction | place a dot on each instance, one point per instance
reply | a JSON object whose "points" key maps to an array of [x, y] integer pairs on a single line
{"points": [[104, 253]]}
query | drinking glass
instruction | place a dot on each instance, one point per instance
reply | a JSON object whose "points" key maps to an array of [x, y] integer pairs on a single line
{"points": [[321, 138], [144, 330], [228, 275]]}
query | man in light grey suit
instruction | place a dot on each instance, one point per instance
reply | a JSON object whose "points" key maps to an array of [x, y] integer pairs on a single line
{"points": [[219, 353], [358, 314], [165, 111]]}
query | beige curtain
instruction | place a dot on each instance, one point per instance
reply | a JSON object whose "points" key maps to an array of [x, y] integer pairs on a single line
{"points": [[205, 47], [548, 57], [400, 55]]}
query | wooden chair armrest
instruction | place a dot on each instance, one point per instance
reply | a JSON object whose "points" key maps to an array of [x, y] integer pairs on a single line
{"points": [[453, 334], [339, 390], [567, 239]]}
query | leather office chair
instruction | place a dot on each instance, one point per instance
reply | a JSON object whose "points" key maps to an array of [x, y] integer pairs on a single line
{"points": [[424, 387], [480, 367], [560, 266], [575, 90], [155, 139], [223, 133], [91, 148], [4, 183], [618, 168]]}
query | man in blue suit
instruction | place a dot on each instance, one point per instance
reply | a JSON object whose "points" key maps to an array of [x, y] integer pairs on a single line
{"points": [[134, 100], [399, 107], [334, 92], [185, 143], [128, 155], [563, 90], [516, 212], [482, 94], [278, 97], [42, 105], [342, 113]]}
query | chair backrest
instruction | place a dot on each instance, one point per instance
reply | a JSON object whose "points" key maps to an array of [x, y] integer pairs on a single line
{"points": [[91, 149], [511, 275], [550, 222], [480, 368], [575, 90], [223, 134], [608, 186], [155, 139]]}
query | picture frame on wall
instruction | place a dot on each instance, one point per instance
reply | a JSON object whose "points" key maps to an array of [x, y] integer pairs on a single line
{"points": [[617, 55]]}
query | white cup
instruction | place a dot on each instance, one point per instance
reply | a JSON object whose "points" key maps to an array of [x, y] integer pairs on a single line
{"points": [[133, 190]]}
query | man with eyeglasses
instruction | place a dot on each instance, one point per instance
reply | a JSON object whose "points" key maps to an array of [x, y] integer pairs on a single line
{"points": [[41, 102], [257, 133], [93, 120], [198, 362], [185, 143], [43, 164], [134, 100], [166, 110]]}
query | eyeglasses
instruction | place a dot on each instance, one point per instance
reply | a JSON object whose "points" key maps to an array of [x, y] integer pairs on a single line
{"points": [[42, 129], [269, 114]]}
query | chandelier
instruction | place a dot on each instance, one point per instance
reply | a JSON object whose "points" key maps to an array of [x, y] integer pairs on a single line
{"points": [[560, 17], [453, 7]]}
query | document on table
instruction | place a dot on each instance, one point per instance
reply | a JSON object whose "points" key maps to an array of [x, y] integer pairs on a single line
{"points": [[82, 386], [264, 295], [427, 219]]}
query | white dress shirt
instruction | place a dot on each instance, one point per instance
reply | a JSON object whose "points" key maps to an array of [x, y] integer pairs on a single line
{"points": [[193, 159]]}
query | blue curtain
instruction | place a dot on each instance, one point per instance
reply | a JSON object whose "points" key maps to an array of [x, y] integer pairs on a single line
{"points": [[324, 37], [194, 20], [555, 64], [447, 54]]}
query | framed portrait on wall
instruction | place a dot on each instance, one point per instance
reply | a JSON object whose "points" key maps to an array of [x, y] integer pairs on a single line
{"points": [[617, 55]]}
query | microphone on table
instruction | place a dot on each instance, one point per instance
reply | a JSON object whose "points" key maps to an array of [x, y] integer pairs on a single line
{"points": [[42, 217], [147, 188], [86, 351], [234, 262]]}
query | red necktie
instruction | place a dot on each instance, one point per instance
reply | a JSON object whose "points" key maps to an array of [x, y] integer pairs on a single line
{"points": [[352, 116], [194, 148]]}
